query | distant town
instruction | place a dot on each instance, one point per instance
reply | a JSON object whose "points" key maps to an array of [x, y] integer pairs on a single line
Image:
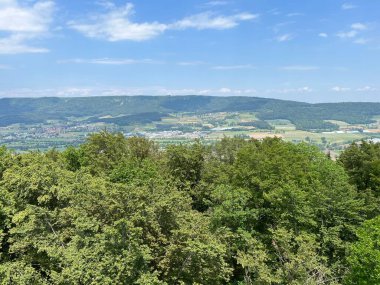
{"points": [[184, 128]]}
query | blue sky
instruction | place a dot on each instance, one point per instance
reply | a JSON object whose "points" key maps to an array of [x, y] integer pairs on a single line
{"points": [[314, 50]]}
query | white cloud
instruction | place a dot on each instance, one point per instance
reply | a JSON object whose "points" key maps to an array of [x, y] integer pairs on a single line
{"points": [[74, 91], [359, 26], [284, 38], [116, 24], [347, 35], [274, 12], [105, 4], [209, 20], [178, 92], [323, 35], [190, 63], [340, 89], [279, 26], [305, 89], [77, 91], [233, 67], [14, 18], [130, 91], [300, 68], [28, 92], [295, 14], [230, 91], [111, 61], [367, 89], [16, 44], [225, 90], [348, 6], [362, 41], [23, 23], [356, 30], [215, 3], [361, 89]]}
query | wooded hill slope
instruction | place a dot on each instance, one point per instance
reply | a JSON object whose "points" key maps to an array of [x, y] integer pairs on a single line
{"points": [[303, 115]]}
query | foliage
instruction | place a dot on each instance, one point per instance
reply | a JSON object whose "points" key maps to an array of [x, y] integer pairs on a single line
{"points": [[120, 210], [364, 257], [362, 163]]}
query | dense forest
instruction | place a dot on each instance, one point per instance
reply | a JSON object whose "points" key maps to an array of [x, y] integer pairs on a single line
{"points": [[127, 110], [122, 210]]}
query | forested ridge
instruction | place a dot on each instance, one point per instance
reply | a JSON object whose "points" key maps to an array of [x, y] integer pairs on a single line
{"points": [[121, 210], [127, 110]]}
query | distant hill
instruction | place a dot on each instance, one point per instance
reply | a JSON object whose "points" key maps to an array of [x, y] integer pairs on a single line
{"points": [[132, 108]]}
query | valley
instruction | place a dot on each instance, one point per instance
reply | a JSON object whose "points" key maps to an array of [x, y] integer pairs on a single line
{"points": [[182, 127]]}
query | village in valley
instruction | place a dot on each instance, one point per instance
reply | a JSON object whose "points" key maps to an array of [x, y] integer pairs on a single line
{"points": [[184, 128]]}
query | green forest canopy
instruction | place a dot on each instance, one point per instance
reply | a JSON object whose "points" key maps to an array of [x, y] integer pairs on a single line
{"points": [[122, 211]]}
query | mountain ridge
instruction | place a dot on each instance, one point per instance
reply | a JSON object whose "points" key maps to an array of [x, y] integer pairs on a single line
{"points": [[303, 115]]}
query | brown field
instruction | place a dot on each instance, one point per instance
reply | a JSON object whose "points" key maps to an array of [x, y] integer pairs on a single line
{"points": [[260, 136]]}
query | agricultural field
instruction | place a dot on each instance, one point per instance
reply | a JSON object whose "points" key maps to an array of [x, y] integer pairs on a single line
{"points": [[183, 128]]}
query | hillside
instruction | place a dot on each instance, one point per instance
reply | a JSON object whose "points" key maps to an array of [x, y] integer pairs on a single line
{"points": [[303, 115]]}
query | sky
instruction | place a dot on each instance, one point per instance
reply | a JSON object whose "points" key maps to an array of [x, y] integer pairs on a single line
{"points": [[311, 51]]}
